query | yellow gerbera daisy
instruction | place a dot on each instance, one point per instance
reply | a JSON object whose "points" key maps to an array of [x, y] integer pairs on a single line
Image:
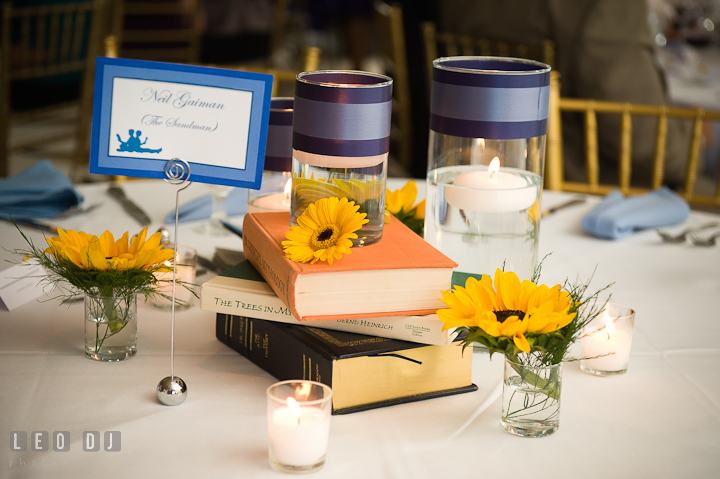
{"points": [[89, 252], [507, 308], [324, 231]]}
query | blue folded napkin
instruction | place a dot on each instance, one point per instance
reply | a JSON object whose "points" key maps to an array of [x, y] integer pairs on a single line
{"points": [[41, 191], [617, 217], [201, 208]]}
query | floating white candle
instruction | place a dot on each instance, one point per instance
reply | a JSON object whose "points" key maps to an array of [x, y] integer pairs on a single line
{"points": [[492, 190], [272, 202]]}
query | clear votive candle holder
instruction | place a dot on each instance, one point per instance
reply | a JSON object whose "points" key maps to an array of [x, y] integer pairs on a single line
{"points": [[276, 187], [341, 139], [488, 125], [298, 414], [186, 259], [606, 341]]}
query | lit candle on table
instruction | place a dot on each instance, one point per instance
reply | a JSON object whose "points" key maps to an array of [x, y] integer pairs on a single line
{"points": [[272, 201], [611, 341], [186, 260], [493, 190], [298, 427]]}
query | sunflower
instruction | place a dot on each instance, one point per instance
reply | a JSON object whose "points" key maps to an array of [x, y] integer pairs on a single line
{"points": [[88, 252], [324, 231], [507, 309]]}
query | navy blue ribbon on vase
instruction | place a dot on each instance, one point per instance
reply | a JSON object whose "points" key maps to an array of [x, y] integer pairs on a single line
{"points": [[344, 114], [490, 97], [278, 153]]}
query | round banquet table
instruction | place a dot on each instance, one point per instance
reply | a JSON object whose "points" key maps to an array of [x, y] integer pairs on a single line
{"points": [[661, 419]]}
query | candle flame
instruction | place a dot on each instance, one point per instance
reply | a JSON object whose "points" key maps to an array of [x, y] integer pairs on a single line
{"points": [[494, 167], [288, 187], [303, 390], [294, 408], [609, 325]]}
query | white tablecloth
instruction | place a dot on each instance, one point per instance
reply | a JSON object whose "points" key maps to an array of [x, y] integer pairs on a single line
{"points": [[661, 419]]}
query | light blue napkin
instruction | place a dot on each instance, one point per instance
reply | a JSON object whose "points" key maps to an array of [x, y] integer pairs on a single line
{"points": [[41, 191], [201, 208], [618, 217]]}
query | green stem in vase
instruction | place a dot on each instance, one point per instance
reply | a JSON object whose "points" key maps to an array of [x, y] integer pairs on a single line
{"points": [[115, 322]]}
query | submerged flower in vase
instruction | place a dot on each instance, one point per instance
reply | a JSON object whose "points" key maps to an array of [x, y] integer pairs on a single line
{"points": [[400, 204], [324, 231]]}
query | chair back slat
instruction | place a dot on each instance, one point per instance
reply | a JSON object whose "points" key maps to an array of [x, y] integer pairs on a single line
{"points": [[591, 147], [26, 52], [625, 154], [54, 37], [660, 149], [64, 54], [78, 35], [694, 155]]}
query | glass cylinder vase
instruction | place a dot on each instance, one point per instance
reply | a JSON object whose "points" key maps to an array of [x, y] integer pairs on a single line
{"points": [[341, 138], [485, 162], [110, 327], [276, 186], [531, 399]]}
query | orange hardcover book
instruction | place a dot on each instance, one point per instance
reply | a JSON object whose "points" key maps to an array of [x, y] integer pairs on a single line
{"points": [[400, 275]]}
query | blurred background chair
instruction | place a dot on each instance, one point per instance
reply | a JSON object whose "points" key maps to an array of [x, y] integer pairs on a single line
{"points": [[392, 54], [446, 44], [157, 30], [590, 109], [47, 65], [283, 80]]}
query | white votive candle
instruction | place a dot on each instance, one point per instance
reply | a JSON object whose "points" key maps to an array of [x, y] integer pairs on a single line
{"points": [[610, 337], [298, 418], [186, 271], [299, 440], [492, 190]]}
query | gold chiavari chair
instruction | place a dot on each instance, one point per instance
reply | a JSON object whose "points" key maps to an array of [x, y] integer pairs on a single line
{"points": [[554, 179], [444, 44], [283, 80], [158, 30], [390, 20], [44, 42]]}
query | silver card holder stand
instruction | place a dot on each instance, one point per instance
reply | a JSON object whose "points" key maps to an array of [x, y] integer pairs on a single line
{"points": [[172, 390]]}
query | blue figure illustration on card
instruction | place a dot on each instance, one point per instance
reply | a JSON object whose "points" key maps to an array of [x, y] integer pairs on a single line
{"points": [[133, 143]]}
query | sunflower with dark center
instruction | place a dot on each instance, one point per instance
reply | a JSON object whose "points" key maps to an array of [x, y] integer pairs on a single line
{"points": [[507, 308], [324, 232]]}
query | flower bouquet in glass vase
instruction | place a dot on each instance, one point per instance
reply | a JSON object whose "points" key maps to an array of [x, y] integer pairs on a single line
{"points": [[533, 326], [109, 274]]}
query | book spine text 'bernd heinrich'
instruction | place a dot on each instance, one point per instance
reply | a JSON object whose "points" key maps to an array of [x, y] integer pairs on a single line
{"points": [[425, 329]]}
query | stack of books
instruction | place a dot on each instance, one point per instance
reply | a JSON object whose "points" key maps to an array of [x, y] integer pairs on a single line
{"points": [[365, 325]]}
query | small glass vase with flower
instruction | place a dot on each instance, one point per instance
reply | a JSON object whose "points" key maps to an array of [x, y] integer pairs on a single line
{"points": [[109, 274], [533, 326]]}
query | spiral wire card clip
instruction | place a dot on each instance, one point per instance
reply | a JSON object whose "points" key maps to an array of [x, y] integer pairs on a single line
{"points": [[172, 390]]}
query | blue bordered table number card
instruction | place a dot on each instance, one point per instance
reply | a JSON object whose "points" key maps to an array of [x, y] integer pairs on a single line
{"points": [[147, 113]]}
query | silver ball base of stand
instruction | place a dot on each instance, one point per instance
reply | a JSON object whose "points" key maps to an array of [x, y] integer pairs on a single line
{"points": [[171, 391]]}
